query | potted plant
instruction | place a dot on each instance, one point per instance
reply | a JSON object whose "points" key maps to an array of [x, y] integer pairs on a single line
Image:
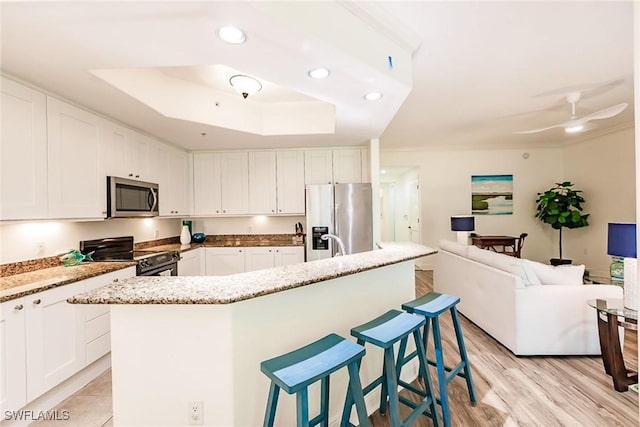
{"points": [[561, 207]]}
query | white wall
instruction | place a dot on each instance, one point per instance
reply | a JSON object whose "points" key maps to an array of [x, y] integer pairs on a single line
{"points": [[258, 224], [29, 240], [604, 168], [445, 190]]}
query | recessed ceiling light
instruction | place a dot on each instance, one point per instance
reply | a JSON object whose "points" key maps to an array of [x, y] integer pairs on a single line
{"points": [[373, 96], [319, 73], [231, 35]]}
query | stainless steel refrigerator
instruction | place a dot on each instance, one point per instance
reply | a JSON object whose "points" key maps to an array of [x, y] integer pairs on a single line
{"points": [[340, 209]]}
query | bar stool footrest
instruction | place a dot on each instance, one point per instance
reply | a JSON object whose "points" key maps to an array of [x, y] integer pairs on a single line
{"points": [[418, 408]]}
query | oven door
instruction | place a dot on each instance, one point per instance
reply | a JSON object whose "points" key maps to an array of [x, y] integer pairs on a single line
{"points": [[165, 270]]}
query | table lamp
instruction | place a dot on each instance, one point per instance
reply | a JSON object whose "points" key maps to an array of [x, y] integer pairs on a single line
{"points": [[621, 244], [462, 224]]}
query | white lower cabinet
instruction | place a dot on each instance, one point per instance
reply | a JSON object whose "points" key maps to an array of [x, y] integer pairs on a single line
{"points": [[224, 261], [192, 263], [97, 319], [44, 340], [259, 258], [286, 255], [55, 338], [13, 369]]}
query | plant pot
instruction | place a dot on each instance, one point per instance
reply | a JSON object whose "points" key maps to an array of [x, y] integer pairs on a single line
{"points": [[559, 261]]}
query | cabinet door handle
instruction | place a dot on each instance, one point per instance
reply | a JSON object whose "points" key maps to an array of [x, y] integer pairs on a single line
{"points": [[240, 250], [217, 211], [224, 211], [19, 307], [272, 210], [130, 174], [38, 301], [137, 176], [279, 210], [115, 280]]}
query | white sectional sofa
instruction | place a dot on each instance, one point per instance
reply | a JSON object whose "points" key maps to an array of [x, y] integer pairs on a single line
{"points": [[529, 307]]}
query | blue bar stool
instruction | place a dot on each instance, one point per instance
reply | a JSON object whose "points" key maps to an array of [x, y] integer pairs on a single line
{"points": [[296, 370], [431, 306], [384, 332]]}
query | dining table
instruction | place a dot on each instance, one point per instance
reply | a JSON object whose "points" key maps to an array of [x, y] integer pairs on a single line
{"points": [[495, 243]]}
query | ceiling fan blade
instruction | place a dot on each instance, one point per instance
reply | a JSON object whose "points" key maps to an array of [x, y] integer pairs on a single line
{"points": [[525, 132], [606, 113]]}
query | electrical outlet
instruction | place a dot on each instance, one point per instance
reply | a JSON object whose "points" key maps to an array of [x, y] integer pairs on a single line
{"points": [[195, 414], [40, 247]]}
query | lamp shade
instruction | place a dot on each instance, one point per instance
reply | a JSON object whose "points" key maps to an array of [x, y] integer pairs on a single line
{"points": [[621, 240], [462, 223]]}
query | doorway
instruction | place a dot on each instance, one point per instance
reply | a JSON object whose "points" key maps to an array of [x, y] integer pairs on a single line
{"points": [[400, 204]]}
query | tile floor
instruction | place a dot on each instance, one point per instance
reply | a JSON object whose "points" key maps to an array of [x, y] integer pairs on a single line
{"points": [[91, 406]]}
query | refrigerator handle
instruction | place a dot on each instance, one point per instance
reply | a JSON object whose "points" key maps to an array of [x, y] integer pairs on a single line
{"points": [[332, 246]]}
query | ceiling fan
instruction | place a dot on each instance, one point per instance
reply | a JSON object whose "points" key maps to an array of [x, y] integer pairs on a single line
{"points": [[580, 124]]}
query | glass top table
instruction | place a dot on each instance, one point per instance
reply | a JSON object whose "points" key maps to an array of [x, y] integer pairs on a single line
{"points": [[612, 315]]}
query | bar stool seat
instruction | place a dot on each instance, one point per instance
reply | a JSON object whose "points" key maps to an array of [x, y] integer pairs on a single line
{"points": [[384, 331], [296, 370], [431, 306]]}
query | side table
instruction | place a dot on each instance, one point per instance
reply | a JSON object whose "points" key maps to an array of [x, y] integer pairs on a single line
{"points": [[611, 315]]}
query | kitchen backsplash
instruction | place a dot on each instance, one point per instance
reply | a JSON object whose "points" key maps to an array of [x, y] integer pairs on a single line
{"points": [[39, 243]]}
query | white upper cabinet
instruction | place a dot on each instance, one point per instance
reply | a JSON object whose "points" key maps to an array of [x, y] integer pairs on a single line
{"points": [[318, 167], [76, 176], [114, 146], [23, 152], [207, 199], [158, 161], [221, 183], [366, 166], [347, 166], [290, 182], [137, 155], [175, 196], [234, 182], [262, 182]]}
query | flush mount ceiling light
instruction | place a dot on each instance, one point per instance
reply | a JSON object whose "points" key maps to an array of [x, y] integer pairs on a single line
{"points": [[373, 96], [319, 73], [231, 35], [245, 85]]}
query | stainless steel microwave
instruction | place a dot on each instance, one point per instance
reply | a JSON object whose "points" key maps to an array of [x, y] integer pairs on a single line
{"points": [[127, 198]]}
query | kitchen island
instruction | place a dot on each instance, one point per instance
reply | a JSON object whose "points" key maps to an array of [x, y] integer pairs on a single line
{"points": [[178, 340]]}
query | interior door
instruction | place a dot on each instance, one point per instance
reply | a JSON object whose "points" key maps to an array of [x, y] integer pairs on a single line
{"points": [[413, 193]]}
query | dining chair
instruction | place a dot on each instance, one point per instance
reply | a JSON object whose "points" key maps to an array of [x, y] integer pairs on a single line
{"points": [[518, 249]]}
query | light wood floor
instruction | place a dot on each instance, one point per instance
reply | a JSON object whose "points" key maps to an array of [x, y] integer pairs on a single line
{"points": [[529, 391], [511, 391]]}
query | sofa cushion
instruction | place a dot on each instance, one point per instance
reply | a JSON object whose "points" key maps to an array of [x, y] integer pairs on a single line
{"points": [[505, 263], [560, 275], [454, 247]]}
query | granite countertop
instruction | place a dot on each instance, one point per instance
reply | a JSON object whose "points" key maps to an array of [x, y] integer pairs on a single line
{"points": [[239, 287], [218, 244], [19, 285]]}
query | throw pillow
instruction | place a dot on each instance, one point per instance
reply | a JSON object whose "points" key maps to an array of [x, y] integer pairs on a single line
{"points": [[560, 275]]}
